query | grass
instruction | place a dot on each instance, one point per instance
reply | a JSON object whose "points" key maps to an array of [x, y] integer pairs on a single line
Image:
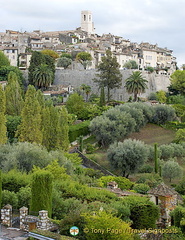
{"points": [[152, 133]]}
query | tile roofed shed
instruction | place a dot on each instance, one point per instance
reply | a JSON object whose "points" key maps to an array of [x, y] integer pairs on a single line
{"points": [[162, 190]]}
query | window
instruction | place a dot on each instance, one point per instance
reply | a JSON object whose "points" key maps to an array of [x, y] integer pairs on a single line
{"points": [[84, 17], [89, 17]]}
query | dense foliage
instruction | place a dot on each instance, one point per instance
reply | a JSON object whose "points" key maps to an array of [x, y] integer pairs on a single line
{"points": [[41, 192]]}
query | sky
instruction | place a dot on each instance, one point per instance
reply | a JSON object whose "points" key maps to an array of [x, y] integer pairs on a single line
{"points": [[153, 21]]}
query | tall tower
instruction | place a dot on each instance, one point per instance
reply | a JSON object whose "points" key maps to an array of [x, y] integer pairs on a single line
{"points": [[86, 22]]}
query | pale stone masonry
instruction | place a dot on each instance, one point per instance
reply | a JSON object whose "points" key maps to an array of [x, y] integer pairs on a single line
{"points": [[6, 215]]}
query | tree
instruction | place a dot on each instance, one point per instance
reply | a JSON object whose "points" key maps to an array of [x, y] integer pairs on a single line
{"points": [[128, 156], [161, 96], [156, 160], [63, 130], [30, 127], [112, 126], [42, 76], [180, 136], [4, 61], [110, 227], [131, 64], [50, 53], [64, 62], [75, 104], [84, 58], [109, 74], [178, 81], [5, 70], [67, 55], [37, 59], [3, 129], [171, 170], [136, 84], [86, 89], [102, 97], [41, 192], [13, 92]]}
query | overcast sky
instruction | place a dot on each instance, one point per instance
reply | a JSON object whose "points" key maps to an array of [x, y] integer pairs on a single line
{"points": [[153, 21]]}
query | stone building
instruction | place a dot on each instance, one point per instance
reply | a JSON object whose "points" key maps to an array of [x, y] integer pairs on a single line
{"points": [[167, 199]]}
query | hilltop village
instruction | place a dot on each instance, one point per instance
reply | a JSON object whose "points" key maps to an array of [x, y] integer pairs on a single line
{"points": [[17, 47], [92, 137]]}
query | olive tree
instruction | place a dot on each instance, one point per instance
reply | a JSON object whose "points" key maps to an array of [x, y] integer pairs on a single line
{"points": [[128, 156]]}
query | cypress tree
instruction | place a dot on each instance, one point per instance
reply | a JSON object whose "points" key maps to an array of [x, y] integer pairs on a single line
{"points": [[46, 128], [63, 130], [41, 192], [13, 92], [102, 97], [156, 158], [30, 127], [0, 188], [3, 129]]}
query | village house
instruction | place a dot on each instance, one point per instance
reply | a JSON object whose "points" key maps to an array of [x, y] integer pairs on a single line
{"points": [[84, 38]]}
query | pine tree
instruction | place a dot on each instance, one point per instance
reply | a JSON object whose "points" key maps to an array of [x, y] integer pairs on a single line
{"points": [[3, 130], [41, 192], [13, 92], [30, 127], [63, 130], [109, 75]]}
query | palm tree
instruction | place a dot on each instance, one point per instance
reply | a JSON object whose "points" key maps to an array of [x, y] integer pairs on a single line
{"points": [[87, 91], [43, 76], [136, 84]]}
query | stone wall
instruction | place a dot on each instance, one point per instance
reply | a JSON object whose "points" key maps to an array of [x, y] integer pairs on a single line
{"points": [[75, 78]]}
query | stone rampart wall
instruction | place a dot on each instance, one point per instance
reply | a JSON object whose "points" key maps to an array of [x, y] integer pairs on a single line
{"points": [[75, 78]]}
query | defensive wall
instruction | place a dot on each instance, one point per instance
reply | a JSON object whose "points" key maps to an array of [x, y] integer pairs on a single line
{"points": [[76, 78]]}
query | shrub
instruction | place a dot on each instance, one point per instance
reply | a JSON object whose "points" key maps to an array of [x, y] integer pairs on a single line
{"points": [[9, 198], [151, 179], [167, 151], [144, 213], [14, 180], [146, 168], [24, 197], [152, 96], [123, 183], [163, 114], [77, 130], [141, 188]]}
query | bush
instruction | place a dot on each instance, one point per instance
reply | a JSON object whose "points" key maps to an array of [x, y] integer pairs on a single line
{"points": [[180, 188], [9, 198], [24, 197], [14, 180], [151, 179], [167, 151], [152, 96], [77, 130], [144, 213], [163, 114], [123, 183], [146, 168], [141, 188]]}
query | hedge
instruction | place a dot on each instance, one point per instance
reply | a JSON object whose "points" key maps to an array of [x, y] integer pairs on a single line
{"points": [[77, 130]]}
